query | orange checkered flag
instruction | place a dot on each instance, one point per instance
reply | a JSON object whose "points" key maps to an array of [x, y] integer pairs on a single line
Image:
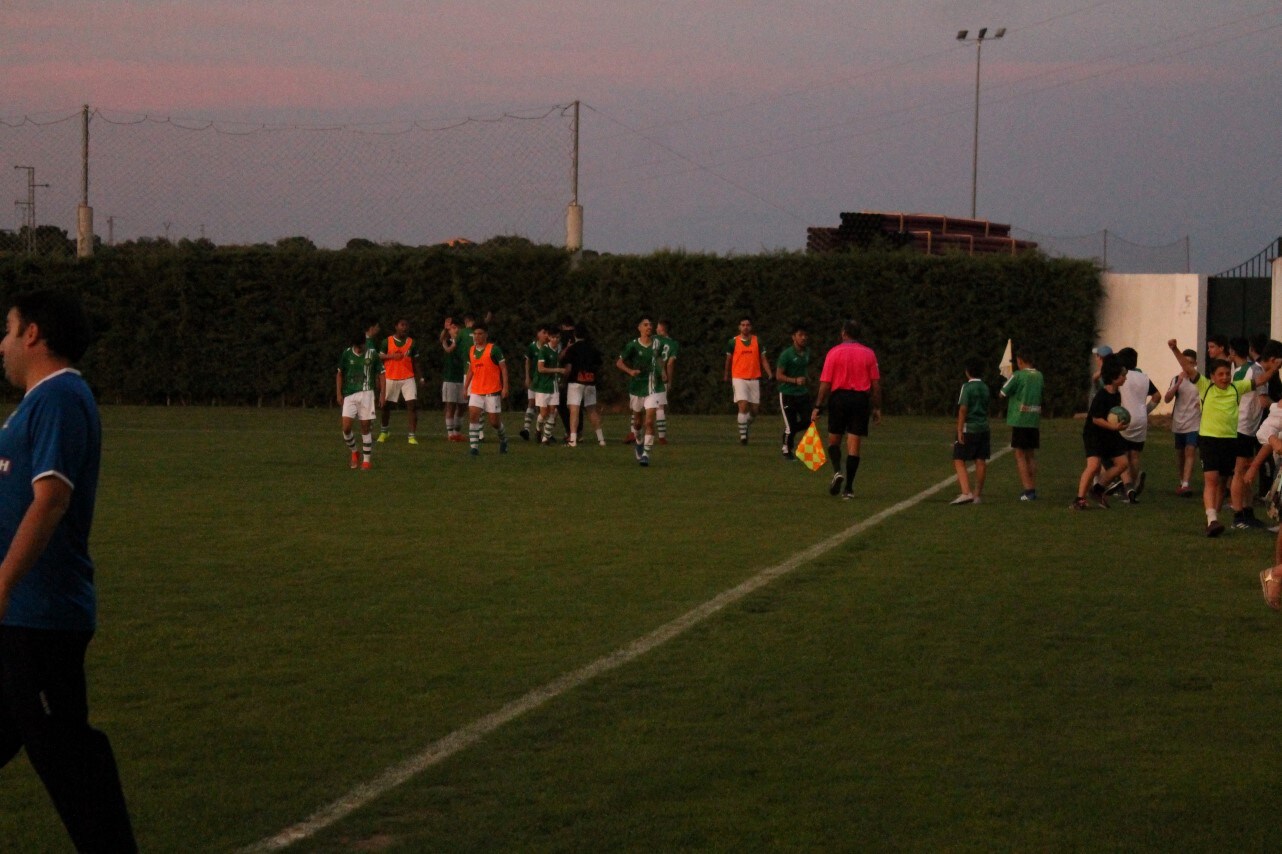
{"points": [[810, 449]]}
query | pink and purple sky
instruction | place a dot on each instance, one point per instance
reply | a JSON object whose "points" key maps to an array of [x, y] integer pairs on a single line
{"points": [[727, 126]]}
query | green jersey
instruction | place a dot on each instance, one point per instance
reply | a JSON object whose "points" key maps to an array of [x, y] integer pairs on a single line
{"points": [[667, 347], [793, 363], [1024, 391], [648, 359], [1220, 406], [464, 340], [359, 370], [541, 383], [974, 396], [456, 362]]}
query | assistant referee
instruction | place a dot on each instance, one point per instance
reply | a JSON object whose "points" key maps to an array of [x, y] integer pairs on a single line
{"points": [[850, 384]]}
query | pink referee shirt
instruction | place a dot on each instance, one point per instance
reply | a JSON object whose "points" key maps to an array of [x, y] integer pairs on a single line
{"points": [[850, 366]]}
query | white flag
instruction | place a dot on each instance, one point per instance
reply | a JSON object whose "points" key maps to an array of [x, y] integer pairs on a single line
{"points": [[1005, 368]]}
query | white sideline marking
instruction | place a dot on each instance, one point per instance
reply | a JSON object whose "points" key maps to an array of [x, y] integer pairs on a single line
{"points": [[466, 736]]}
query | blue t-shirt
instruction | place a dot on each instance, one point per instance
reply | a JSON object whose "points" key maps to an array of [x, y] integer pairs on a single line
{"points": [[54, 432]]}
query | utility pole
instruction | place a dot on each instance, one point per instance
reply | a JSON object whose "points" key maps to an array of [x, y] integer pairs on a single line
{"points": [[974, 160], [574, 211], [29, 207], [84, 213]]}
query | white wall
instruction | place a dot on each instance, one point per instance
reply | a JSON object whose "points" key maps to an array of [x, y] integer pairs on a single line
{"points": [[1144, 311]]}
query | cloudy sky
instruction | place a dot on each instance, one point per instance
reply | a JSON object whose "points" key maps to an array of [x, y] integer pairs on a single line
{"points": [[710, 126]]}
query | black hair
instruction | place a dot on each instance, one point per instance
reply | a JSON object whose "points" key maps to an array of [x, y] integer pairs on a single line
{"points": [[358, 338], [1128, 357], [1215, 364], [1191, 353], [799, 326], [1218, 338], [1026, 354], [1272, 350], [1259, 342], [850, 328], [1110, 369], [61, 319], [1240, 347], [581, 332], [975, 368]]}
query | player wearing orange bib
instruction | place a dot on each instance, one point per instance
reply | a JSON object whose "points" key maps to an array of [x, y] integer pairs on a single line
{"points": [[488, 384], [399, 353], [746, 364]]}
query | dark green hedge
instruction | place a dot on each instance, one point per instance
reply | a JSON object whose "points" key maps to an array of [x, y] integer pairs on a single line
{"points": [[200, 324]]}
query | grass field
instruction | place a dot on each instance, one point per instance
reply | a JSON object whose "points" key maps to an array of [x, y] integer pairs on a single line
{"points": [[277, 630]]}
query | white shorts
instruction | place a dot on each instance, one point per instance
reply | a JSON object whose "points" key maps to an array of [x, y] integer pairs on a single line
{"points": [[396, 389], [359, 405], [547, 398], [492, 403], [749, 390], [641, 404], [451, 392], [662, 398], [578, 394]]}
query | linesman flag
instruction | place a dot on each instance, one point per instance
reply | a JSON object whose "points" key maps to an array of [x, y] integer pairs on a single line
{"points": [[1005, 368], [810, 449]]}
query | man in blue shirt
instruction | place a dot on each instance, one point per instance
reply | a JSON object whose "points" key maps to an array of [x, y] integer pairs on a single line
{"points": [[50, 447]]}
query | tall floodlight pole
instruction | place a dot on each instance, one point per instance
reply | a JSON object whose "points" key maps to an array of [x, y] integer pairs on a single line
{"points": [[974, 159], [574, 210]]}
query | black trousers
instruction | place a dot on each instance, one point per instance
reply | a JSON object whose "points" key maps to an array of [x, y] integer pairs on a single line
{"points": [[43, 707], [796, 409]]}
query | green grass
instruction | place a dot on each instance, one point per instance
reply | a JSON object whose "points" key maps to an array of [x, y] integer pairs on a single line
{"points": [[276, 629]]}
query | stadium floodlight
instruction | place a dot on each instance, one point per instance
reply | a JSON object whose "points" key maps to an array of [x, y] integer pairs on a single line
{"points": [[979, 38]]}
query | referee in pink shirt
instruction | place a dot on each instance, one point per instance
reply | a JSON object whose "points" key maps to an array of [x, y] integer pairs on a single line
{"points": [[850, 384]]}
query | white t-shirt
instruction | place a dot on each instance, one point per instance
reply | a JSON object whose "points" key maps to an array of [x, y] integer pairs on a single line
{"points": [[1135, 392], [1248, 408], [1186, 417]]}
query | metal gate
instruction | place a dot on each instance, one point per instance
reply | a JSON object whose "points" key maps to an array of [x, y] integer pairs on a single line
{"points": [[1239, 301]]}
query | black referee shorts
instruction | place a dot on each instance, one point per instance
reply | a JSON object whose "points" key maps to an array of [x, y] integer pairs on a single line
{"points": [[848, 412]]}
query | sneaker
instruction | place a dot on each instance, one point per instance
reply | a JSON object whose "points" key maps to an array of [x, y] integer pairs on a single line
{"points": [[637, 450], [601, 442], [1132, 497], [663, 440], [964, 498], [977, 500], [502, 446], [1028, 495], [571, 443], [366, 466], [356, 459], [743, 440], [413, 441], [630, 438], [1114, 487], [1139, 483], [1214, 529], [1100, 495], [1079, 504], [1183, 492], [835, 486], [525, 434], [644, 459], [382, 436], [847, 495], [476, 452]]}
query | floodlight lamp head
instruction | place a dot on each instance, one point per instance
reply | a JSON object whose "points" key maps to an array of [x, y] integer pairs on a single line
{"points": [[961, 35], [1000, 32], [980, 35]]}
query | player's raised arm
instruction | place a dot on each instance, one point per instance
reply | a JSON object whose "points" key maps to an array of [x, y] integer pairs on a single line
{"points": [[1189, 366]]}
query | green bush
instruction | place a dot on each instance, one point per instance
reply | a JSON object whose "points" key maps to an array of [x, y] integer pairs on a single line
{"points": [[200, 324]]}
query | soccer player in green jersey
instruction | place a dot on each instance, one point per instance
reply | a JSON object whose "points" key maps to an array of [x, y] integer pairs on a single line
{"points": [[532, 351], [670, 349], [1024, 415], [452, 382], [547, 396], [973, 440], [794, 394], [642, 361], [360, 374]]}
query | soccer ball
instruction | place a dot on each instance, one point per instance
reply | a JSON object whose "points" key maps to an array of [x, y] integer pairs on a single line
{"points": [[1119, 415]]}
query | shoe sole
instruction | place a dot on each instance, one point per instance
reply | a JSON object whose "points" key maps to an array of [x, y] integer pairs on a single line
{"points": [[835, 486]]}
